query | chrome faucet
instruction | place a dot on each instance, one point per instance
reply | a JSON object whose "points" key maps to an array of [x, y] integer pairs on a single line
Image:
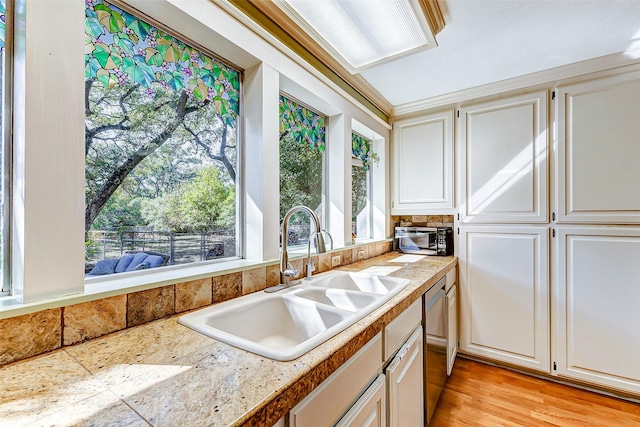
{"points": [[287, 272]]}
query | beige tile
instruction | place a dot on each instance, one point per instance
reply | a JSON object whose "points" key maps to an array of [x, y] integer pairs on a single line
{"points": [[145, 306], [30, 334], [324, 263], [360, 253], [434, 220], [94, 318], [447, 219], [226, 287], [235, 378], [419, 220], [193, 294], [103, 409], [347, 257], [34, 388], [126, 354], [273, 275], [254, 280]]}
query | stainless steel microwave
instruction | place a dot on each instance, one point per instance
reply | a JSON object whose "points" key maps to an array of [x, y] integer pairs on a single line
{"points": [[425, 240]]}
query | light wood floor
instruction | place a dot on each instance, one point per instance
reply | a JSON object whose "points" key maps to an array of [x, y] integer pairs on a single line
{"points": [[481, 395]]}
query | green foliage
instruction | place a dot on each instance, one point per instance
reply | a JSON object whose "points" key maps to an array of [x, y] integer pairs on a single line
{"points": [[361, 148], [358, 190], [204, 203], [304, 126], [121, 212], [121, 48], [3, 19], [300, 176]]}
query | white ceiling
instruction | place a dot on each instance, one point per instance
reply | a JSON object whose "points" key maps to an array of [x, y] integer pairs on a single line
{"points": [[486, 41]]}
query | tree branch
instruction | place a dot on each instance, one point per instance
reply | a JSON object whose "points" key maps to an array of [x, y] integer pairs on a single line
{"points": [[99, 200]]}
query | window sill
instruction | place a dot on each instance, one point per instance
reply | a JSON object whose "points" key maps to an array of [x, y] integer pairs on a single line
{"points": [[109, 286]]}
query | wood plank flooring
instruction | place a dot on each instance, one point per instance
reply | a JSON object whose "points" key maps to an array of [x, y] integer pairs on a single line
{"points": [[477, 394]]}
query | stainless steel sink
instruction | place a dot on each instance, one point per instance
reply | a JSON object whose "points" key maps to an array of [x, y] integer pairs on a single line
{"points": [[289, 323]]}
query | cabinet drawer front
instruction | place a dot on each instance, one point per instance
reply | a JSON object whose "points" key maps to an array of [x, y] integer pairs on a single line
{"points": [[397, 332], [371, 409], [327, 403]]}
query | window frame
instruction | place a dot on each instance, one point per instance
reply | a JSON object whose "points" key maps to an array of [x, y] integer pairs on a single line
{"points": [[356, 162], [239, 162], [7, 150], [324, 196]]}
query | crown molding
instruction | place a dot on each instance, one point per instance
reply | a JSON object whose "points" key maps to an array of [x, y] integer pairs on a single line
{"points": [[432, 12], [553, 76]]}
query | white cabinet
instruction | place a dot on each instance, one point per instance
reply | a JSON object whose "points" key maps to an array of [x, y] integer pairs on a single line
{"points": [[370, 409], [452, 326], [325, 405], [423, 164], [405, 382], [504, 294], [504, 150], [598, 151], [596, 329]]}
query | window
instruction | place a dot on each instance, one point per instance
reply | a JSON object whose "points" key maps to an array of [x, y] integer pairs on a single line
{"points": [[361, 207], [5, 148], [161, 120], [302, 144]]}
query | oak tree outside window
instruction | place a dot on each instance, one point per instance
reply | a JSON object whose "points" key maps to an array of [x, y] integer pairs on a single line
{"points": [[161, 143], [361, 206], [5, 147], [302, 147]]}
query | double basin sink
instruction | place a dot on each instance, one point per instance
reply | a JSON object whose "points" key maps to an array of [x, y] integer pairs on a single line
{"points": [[287, 324]]}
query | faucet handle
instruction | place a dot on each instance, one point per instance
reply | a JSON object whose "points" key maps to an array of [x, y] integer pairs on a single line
{"points": [[290, 271]]}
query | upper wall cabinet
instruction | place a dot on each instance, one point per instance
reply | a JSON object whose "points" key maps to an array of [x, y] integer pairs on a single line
{"points": [[504, 150], [423, 164], [598, 150]]}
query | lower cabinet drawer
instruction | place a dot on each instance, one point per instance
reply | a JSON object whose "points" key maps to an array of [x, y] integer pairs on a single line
{"points": [[397, 332], [370, 409], [325, 405]]}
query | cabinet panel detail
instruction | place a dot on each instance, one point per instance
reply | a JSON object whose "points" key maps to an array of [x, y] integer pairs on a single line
{"points": [[504, 156], [596, 333], [423, 163], [504, 294], [598, 151]]}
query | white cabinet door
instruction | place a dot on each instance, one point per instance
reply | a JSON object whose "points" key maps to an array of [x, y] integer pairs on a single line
{"points": [[452, 327], [504, 150], [596, 329], [504, 294], [405, 380], [423, 164], [370, 409], [598, 151]]}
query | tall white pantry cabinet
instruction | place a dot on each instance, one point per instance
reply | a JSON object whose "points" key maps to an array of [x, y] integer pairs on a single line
{"points": [[548, 228]]}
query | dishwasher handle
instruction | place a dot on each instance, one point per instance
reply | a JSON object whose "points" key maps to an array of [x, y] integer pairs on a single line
{"points": [[434, 294]]}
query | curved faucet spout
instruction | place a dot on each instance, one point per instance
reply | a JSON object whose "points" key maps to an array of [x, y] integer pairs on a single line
{"points": [[285, 270]]}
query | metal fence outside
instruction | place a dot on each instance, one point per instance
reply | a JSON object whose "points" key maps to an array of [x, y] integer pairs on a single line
{"points": [[182, 248]]}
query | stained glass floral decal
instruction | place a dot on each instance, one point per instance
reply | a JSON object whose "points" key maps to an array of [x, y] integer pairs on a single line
{"points": [[305, 126], [120, 47], [3, 20], [361, 149]]}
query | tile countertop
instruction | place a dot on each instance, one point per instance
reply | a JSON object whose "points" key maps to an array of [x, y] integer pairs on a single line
{"points": [[165, 374]]}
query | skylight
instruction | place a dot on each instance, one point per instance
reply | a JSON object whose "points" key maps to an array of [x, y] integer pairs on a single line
{"points": [[360, 33]]}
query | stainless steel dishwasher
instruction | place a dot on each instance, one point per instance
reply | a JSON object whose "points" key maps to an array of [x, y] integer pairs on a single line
{"points": [[435, 342]]}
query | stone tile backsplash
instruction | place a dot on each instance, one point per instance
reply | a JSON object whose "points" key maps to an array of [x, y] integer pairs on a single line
{"points": [[40, 332], [422, 220]]}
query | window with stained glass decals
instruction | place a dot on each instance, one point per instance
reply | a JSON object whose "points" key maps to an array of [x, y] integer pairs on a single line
{"points": [[302, 147], [161, 145], [361, 209]]}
